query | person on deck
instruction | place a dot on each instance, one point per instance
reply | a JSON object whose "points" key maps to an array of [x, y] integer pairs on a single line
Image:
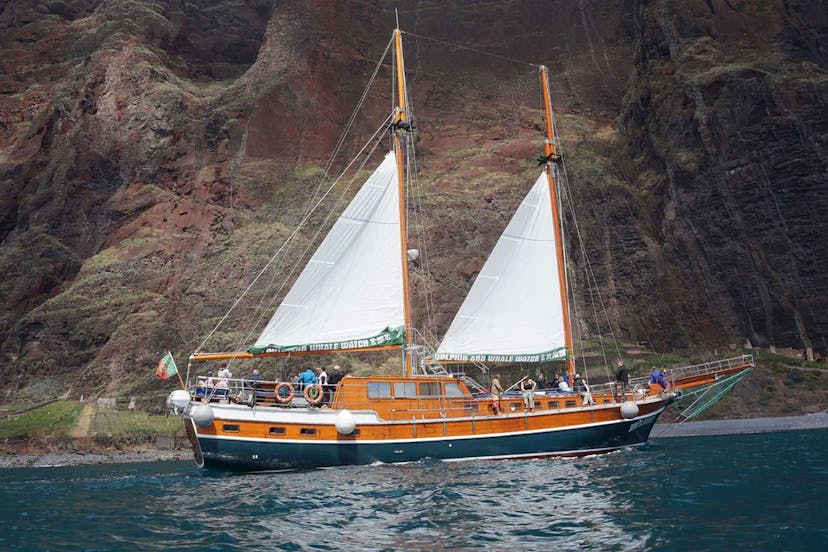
{"points": [[335, 375], [657, 378], [306, 378], [322, 377], [539, 379], [527, 388], [254, 377], [563, 386], [582, 388], [622, 379], [497, 391], [225, 372]]}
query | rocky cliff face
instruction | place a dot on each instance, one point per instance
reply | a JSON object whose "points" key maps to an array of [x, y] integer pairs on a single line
{"points": [[724, 132], [152, 155]]}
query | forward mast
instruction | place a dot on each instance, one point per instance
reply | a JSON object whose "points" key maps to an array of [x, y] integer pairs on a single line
{"points": [[401, 124]]}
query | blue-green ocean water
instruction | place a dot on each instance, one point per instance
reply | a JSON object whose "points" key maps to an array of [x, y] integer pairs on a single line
{"points": [[743, 492]]}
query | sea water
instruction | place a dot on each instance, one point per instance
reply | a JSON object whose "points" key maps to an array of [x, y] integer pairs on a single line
{"points": [[742, 492]]}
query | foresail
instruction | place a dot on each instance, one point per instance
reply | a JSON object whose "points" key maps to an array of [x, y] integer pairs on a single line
{"points": [[350, 294], [513, 311]]}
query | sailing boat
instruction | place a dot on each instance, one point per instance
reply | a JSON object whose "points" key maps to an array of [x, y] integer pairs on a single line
{"points": [[352, 296]]}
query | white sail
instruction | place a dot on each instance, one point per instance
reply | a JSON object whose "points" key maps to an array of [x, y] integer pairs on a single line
{"points": [[350, 294], [513, 312]]}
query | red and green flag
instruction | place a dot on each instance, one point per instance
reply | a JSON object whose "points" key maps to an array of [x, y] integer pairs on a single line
{"points": [[166, 367]]}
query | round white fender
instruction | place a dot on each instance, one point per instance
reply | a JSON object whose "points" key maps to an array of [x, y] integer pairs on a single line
{"points": [[202, 415], [178, 400], [629, 410], [345, 423]]}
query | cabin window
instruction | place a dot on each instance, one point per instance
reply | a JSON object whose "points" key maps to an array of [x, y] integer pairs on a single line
{"points": [[405, 390], [379, 390], [277, 431], [429, 389], [552, 404], [453, 390], [230, 428], [570, 404], [308, 431]]}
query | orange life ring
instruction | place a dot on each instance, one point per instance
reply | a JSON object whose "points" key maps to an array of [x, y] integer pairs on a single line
{"points": [[286, 398], [320, 394]]}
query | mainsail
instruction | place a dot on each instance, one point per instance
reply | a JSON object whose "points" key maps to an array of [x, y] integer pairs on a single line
{"points": [[513, 312], [350, 294]]}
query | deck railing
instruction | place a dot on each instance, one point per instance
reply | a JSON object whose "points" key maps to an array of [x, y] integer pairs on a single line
{"points": [[262, 394], [678, 373]]}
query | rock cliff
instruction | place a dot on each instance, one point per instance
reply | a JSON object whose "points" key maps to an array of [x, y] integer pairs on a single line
{"points": [[153, 154]]}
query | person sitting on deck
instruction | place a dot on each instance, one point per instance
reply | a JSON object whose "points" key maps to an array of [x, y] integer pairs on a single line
{"points": [[254, 377], [563, 386], [527, 388]]}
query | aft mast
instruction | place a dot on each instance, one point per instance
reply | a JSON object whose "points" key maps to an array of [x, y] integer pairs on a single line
{"points": [[551, 158], [402, 124]]}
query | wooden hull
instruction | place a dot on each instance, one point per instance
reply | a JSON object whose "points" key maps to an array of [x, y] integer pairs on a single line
{"points": [[579, 432]]}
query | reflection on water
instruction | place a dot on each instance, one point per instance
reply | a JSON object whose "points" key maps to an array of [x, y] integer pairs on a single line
{"points": [[655, 497]]}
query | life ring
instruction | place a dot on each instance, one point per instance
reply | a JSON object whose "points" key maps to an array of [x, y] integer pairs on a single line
{"points": [[318, 394], [283, 399]]}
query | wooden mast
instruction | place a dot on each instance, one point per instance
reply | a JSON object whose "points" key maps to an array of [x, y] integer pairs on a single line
{"points": [[551, 157], [402, 124]]}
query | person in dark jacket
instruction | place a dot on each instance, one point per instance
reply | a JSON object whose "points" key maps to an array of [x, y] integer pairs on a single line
{"points": [[539, 379], [622, 379]]}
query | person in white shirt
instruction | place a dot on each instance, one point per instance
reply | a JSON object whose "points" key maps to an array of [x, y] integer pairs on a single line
{"points": [[225, 371]]}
